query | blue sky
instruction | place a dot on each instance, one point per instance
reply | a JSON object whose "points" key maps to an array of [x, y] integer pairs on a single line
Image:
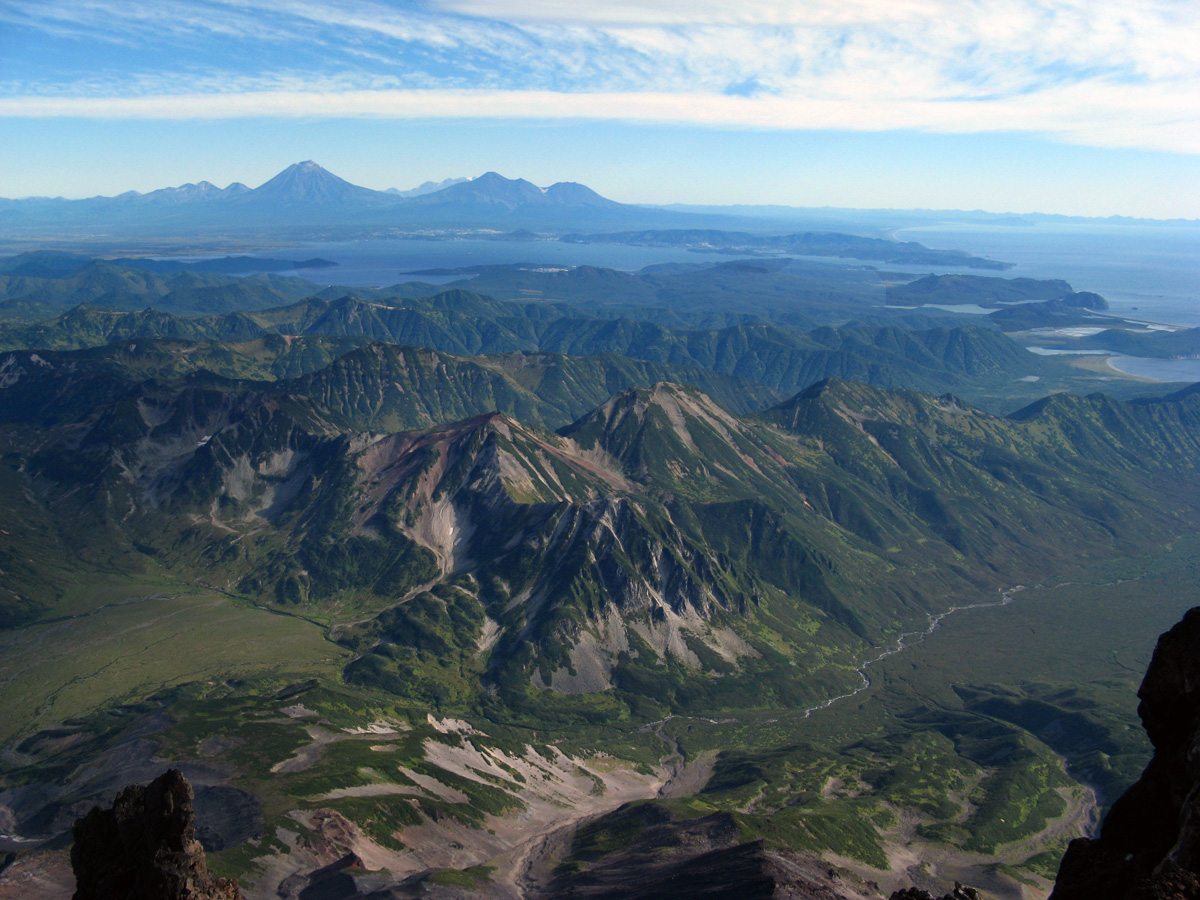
{"points": [[1077, 106]]}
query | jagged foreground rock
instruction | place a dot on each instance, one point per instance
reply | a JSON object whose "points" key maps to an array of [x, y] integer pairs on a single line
{"points": [[145, 848], [1149, 845], [960, 892]]}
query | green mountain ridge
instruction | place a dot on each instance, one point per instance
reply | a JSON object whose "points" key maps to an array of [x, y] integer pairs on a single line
{"points": [[365, 386], [733, 551], [984, 291], [103, 284], [966, 359]]}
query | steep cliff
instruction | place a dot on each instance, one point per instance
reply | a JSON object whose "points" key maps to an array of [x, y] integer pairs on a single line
{"points": [[1149, 845]]}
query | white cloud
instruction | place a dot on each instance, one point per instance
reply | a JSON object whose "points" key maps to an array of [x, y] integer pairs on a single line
{"points": [[1108, 72], [1109, 115], [112, 20], [718, 12]]}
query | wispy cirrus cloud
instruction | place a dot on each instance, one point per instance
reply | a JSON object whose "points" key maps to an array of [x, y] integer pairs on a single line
{"points": [[1097, 72]]}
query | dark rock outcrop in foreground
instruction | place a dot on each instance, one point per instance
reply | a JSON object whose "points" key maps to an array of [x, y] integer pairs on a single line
{"points": [[961, 892], [145, 848], [1149, 845]]}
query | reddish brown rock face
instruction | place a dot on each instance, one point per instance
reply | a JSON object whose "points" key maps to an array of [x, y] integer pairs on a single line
{"points": [[145, 848]]}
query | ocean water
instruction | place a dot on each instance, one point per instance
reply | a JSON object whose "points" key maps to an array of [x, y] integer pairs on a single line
{"points": [[1147, 272], [381, 263], [1182, 370]]}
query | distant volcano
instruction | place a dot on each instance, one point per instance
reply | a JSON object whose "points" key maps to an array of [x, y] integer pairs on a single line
{"points": [[308, 183]]}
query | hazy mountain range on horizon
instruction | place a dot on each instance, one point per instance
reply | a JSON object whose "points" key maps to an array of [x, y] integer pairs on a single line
{"points": [[305, 195], [307, 202]]}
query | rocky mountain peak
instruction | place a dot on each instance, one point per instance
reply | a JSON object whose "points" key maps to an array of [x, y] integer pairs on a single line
{"points": [[628, 419], [662, 395]]}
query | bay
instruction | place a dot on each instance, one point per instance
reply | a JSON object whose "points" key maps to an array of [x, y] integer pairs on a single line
{"points": [[382, 262], [1181, 370], [1148, 272]]}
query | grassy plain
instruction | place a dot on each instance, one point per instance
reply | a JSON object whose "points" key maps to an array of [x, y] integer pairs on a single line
{"points": [[132, 644]]}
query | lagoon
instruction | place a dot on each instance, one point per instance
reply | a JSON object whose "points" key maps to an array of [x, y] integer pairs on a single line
{"points": [[1181, 370]]}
